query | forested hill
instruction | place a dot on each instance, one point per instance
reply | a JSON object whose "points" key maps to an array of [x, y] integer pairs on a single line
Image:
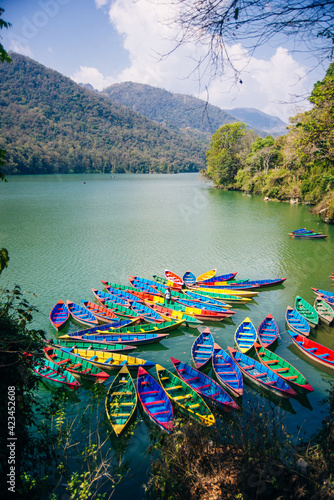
{"points": [[50, 124], [182, 111]]}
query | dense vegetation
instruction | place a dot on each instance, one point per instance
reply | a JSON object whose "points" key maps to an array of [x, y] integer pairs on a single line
{"points": [[52, 125], [186, 112], [297, 167]]}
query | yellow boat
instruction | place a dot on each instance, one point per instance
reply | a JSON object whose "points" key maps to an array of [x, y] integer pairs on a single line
{"points": [[121, 400], [227, 291], [206, 276], [108, 360], [188, 400]]}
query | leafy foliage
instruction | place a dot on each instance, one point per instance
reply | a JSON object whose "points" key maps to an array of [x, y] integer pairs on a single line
{"points": [[297, 166]]}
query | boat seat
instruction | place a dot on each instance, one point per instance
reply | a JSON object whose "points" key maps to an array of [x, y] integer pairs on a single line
{"points": [[118, 393], [92, 358], [259, 375], [63, 362], [271, 382], [191, 379], [174, 387], [310, 349], [196, 405], [107, 360], [152, 392], [225, 373], [186, 396], [205, 386], [323, 355], [164, 378], [248, 367], [281, 369], [153, 402], [269, 335], [127, 403], [120, 414], [160, 412], [291, 377], [270, 361]]}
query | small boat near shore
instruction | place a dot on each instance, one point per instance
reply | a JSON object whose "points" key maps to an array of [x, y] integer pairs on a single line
{"points": [[80, 314], [155, 401], [307, 311], [267, 331], [121, 401], [59, 315], [202, 349], [296, 322], [245, 335], [227, 371]]}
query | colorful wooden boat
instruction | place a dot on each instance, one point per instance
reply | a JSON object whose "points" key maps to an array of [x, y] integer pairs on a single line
{"points": [[189, 279], [204, 300], [234, 299], [101, 313], [307, 311], [267, 331], [166, 282], [122, 338], [52, 374], [296, 322], [324, 310], [80, 314], [121, 400], [204, 385], [228, 291], [175, 314], [214, 279], [283, 368], [320, 354], [227, 371], [202, 349], [302, 230], [155, 400], [177, 280], [147, 313], [307, 235], [116, 304], [84, 369], [219, 311], [325, 293], [261, 375], [245, 335], [206, 276], [101, 346], [108, 361], [124, 293], [59, 315], [261, 283], [188, 400]]}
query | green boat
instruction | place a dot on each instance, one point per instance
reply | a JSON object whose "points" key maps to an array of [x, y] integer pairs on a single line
{"points": [[307, 311], [324, 310], [83, 369], [120, 310], [164, 327], [92, 344], [188, 400], [282, 368], [121, 400], [52, 374]]}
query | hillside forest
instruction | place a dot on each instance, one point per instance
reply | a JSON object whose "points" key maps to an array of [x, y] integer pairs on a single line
{"points": [[296, 167]]}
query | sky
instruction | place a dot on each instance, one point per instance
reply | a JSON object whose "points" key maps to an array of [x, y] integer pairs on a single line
{"points": [[103, 42]]}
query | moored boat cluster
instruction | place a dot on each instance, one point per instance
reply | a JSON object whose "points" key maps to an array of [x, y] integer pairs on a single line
{"points": [[146, 311]]}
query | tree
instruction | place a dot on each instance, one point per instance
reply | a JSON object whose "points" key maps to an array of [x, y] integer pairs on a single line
{"points": [[308, 24], [4, 57], [224, 156]]}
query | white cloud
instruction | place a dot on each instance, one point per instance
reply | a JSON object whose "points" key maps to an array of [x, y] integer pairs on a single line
{"points": [[21, 47], [92, 76], [147, 34]]}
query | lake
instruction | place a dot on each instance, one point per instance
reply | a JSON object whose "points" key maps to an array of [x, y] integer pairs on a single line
{"points": [[66, 233]]}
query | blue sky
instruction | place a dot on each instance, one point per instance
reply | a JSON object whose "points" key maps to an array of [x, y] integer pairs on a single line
{"points": [[109, 41]]}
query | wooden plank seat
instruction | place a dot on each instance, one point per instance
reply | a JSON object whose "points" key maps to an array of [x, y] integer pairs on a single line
{"points": [[205, 386], [149, 403], [160, 412], [248, 367], [174, 387]]}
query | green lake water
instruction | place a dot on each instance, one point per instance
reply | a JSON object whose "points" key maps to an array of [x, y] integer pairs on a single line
{"points": [[66, 233]]}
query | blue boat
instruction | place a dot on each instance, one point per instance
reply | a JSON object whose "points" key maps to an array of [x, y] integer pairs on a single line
{"points": [[155, 400], [207, 307], [227, 371], [222, 277], [267, 331], [59, 315], [302, 230], [261, 375], [296, 322], [189, 278], [202, 299], [245, 335], [325, 293], [81, 314], [262, 283], [147, 313], [204, 385], [122, 294], [202, 349]]}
